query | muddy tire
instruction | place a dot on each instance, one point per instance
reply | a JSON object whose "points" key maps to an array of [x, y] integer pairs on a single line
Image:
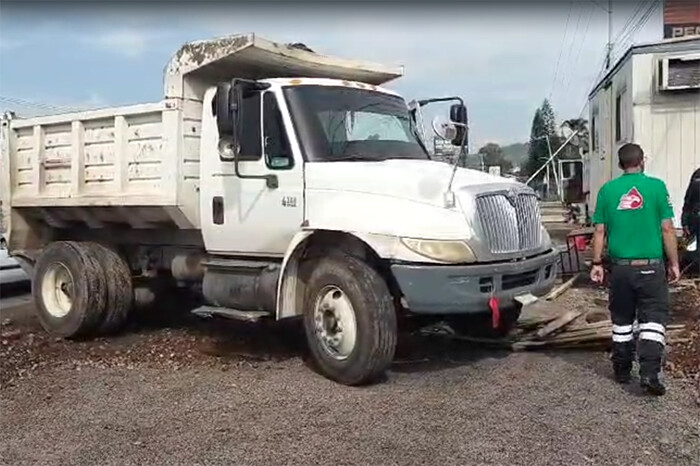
{"points": [[69, 290], [119, 289], [349, 320]]}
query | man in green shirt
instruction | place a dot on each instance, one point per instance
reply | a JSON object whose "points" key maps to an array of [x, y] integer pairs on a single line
{"points": [[635, 212]]}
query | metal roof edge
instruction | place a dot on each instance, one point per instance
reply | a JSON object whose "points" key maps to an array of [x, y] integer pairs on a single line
{"points": [[666, 45]]}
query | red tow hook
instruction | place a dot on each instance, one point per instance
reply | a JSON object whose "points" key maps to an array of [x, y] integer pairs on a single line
{"points": [[495, 312]]}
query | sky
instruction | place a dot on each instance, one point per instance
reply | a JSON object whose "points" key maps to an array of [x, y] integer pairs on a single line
{"points": [[503, 58]]}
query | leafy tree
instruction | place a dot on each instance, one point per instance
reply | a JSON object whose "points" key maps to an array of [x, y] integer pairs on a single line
{"points": [[493, 155]]}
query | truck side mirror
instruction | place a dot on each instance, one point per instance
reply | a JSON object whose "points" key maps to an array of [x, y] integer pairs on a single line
{"points": [[226, 110], [458, 115]]}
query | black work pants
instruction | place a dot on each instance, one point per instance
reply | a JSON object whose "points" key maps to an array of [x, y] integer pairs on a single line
{"points": [[639, 292]]}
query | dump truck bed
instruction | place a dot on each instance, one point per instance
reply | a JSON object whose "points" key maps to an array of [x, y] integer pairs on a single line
{"points": [[139, 165], [141, 155]]}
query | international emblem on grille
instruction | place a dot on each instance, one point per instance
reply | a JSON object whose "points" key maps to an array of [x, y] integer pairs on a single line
{"points": [[511, 196], [510, 220]]}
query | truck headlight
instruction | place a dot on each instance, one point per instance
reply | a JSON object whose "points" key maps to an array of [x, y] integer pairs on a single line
{"points": [[441, 250]]}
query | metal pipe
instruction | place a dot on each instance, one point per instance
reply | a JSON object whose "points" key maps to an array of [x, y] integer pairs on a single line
{"points": [[551, 157]]}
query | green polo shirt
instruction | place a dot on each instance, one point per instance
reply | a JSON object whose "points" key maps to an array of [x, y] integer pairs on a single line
{"points": [[632, 208]]}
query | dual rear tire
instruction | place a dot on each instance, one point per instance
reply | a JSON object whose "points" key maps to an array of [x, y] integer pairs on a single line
{"points": [[81, 289]]}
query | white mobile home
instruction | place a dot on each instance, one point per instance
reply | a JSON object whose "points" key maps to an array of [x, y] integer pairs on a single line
{"points": [[651, 97]]}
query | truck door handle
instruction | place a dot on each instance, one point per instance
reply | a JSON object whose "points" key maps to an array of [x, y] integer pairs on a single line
{"points": [[217, 210]]}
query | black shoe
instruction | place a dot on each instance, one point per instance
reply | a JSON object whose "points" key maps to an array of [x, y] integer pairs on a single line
{"points": [[653, 386], [623, 377]]}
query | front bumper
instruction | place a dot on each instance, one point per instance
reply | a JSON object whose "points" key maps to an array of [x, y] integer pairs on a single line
{"points": [[464, 289]]}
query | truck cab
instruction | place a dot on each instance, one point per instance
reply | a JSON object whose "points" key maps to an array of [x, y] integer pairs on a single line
{"points": [[308, 195]]}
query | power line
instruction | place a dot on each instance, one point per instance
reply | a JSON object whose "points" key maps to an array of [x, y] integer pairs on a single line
{"points": [[578, 54], [561, 49], [641, 22], [631, 27], [567, 71], [39, 105], [636, 12]]}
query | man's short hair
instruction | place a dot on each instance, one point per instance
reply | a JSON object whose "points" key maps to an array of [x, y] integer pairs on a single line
{"points": [[630, 156]]}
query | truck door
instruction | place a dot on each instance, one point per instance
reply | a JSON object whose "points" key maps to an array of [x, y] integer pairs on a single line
{"points": [[244, 216]]}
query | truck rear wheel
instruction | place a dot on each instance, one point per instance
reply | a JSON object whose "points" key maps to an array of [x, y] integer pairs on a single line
{"points": [[69, 290], [349, 319], [119, 288]]}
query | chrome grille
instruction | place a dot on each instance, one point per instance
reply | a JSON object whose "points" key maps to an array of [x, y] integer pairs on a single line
{"points": [[511, 224]]}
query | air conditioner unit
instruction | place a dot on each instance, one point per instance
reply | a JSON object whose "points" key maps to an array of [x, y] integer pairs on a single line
{"points": [[679, 73]]}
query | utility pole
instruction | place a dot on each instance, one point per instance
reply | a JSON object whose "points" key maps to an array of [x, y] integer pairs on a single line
{"points": [[610, 45]]}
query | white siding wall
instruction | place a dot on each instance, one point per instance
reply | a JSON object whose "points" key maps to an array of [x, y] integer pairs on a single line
{"points": [[603, 157], [667, 126]]}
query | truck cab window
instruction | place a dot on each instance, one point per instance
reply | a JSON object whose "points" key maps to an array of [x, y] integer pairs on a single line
{"points": [[278, 153], [249, 122]]}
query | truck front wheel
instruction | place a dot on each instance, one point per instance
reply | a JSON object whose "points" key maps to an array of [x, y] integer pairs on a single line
{"points": [[349, 319], [69, 290]]}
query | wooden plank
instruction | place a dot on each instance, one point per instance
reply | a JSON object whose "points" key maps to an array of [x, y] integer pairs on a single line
{"points": [[538, 313], [561, 289], [569, 330], [558, 323]]}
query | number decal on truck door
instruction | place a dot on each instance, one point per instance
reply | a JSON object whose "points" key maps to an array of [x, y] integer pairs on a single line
{"points": [[289, 201]]}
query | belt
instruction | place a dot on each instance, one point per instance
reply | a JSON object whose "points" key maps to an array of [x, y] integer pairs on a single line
{"points": [[637, 262]]}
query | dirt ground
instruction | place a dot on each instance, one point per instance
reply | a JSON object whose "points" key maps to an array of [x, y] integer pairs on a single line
{"points": [[683, 356], [178, 390]]}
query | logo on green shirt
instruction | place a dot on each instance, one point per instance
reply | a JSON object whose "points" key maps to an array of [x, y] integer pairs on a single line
{"points": [[633, 200]]}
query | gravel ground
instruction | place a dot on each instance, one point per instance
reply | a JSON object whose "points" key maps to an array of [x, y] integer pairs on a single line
{"points": [[186, 392]]}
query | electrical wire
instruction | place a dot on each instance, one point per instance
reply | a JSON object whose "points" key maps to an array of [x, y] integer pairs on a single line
{"points": [[629, 36], [27, 103], [561, 50], [578, 56], [631, 19], [567, 71]]}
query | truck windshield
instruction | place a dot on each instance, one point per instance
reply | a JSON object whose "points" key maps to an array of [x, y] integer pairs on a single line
{"points": [[340, 123]]}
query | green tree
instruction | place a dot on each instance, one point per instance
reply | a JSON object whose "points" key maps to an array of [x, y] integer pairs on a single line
{"points": [[547, 112], [537, 149], [543, 127], [493, 155]]}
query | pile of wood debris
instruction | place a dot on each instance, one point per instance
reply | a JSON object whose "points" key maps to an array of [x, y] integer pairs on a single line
{"points": [[544, 324]]}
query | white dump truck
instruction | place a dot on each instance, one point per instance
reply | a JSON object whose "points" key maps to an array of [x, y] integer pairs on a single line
{"points": [[279, 183]]}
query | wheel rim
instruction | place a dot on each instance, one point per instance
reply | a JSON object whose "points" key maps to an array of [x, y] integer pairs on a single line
{"points": [[335, 324], [57, 289]]}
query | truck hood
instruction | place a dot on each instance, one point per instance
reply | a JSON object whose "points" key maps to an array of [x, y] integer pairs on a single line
{"points": [[423, 181], [405, 198]]}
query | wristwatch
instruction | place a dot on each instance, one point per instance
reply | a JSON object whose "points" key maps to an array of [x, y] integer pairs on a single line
{"points": [[597, 262]]}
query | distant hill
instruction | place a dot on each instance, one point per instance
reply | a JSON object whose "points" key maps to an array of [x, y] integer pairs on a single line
{"points": [[516, 153]]}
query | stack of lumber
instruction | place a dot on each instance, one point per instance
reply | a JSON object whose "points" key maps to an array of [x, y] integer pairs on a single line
{"points": [[544, 324], [577, 328]]}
